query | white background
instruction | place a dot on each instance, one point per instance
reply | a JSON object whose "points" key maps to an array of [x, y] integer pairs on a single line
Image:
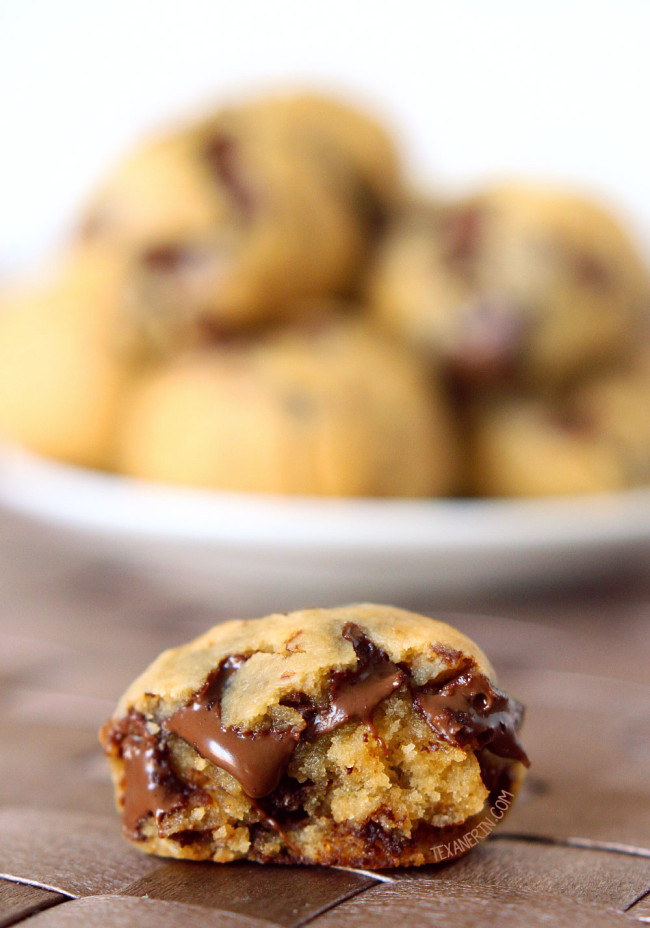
{"points": [[475, 88]]}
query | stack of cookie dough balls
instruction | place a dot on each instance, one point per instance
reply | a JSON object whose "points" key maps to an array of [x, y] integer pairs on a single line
{"points": [[202, 328], [253, 301], [533, 301]]}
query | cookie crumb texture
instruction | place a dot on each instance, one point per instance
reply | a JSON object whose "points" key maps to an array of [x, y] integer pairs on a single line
{"points": [[362, 736]]}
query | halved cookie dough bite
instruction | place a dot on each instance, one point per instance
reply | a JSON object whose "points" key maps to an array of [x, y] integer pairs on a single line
{"points": [[518, 284], [332, 408], [62, 376], [232, 220], [362, 736]]}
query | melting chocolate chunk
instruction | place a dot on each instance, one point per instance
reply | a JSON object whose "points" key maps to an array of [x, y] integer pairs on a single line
{"points": [[188, 837], [356, 693], [470, 713], [151, 787], [257, 760], [374, 678], [353, 694], [358, 696], [223, 157]]}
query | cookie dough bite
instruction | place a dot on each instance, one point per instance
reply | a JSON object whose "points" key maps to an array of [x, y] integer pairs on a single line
{"points": [[363, 736], [230, 222], [215, 233], [61, 380], [330, 408], [594, 440], [518, 284]]}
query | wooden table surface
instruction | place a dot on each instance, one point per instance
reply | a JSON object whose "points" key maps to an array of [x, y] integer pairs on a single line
{"points": [[574, 851]]}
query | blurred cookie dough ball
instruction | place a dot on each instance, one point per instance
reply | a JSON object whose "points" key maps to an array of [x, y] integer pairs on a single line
{"points": [[596, 439], [331, 409], [232, 220], [60, 380], [518, 284]]}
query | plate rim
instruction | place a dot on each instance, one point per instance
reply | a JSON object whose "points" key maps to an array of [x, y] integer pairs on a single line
{"points": [[111, 504]]}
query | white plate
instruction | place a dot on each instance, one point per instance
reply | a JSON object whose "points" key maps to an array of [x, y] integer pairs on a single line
{"points": [[261, 553]]}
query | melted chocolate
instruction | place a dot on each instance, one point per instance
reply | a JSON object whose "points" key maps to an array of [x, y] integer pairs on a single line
{"points": [[257, 760], [357, 693], [151, 785], [465, 710], [469, 712]]}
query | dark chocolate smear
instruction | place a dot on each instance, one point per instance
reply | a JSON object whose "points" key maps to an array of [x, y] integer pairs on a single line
{"points": [[469, 712], [152, 786], [257, 760], [223, 157], [356, 693]]}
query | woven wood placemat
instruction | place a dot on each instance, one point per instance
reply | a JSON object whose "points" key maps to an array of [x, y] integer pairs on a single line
{"points": [[575, 850]]}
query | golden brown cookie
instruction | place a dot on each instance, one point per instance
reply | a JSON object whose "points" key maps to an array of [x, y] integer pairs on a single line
{"points": [[333, 409], [61, 379], [595, 439], [363, 736], [519, 283], [232, 220]]}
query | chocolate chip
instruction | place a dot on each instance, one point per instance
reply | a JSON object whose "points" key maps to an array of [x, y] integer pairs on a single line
{"points": [[461, 231], [256, 759], [152, 786], [574, 419], [188, 837], [591, 270], [166, 259], [490, 340], [470, 712], [224, 160]]}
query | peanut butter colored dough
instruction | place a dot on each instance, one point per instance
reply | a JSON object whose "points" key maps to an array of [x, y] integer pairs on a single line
{"points": [[361, 736], [330, 409]]}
